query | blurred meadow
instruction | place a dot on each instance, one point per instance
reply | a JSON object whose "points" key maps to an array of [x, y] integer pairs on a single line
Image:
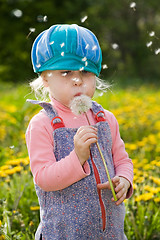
{"points": [[138, 113], [129, 35]]}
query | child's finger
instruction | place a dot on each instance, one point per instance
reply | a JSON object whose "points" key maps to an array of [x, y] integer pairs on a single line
{"points": [[116, 180], [103, 185], [120, 200]]}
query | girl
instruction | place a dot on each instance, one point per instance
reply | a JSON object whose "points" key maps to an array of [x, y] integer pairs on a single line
{"points": [[70, 179]]}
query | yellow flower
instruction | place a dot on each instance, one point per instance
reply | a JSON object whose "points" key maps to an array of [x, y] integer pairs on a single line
{"points": [[4, 167], [2, 174], [31, 223], [132, 146], [144, 197], [2, 237], [34, 208], [157, 125], [157, 199], [2, 132], [13, 170], [0, 223], [155, 180], [151, 189]]}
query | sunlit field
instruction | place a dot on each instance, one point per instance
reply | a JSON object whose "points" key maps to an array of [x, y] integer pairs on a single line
{"points": [[137, 110]]}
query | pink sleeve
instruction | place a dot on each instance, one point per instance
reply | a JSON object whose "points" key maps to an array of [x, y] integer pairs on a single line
{"points": [[122, 163], [49, 174]]}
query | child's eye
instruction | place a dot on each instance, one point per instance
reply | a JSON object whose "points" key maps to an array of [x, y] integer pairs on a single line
{"points": [[65, 73], [85, 72]]}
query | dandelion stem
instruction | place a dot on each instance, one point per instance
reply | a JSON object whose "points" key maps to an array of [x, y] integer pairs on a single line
{"points": [[105, 165]]}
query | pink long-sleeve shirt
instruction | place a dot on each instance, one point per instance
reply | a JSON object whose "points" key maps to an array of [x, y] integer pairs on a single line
{"points": [[51, 175]]}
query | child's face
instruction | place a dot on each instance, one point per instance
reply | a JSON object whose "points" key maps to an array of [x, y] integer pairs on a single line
{"points": [[64, 85]]}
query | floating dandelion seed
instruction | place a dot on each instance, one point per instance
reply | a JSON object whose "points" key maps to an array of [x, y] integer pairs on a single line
{"points": [[17, 13], [84, 59], [94, 47], [115, 46], [49, 74], [81, 69], [31, 30], [41, 18], [51, 43], [45, 19], [104, 66], [62, 45], [86, 64], [64, 74], [84, 19], [152, 34], [38, 65], [11, 147], [62, 54], [133, 5], [87, 46], [100, 94], [76, 80], [149, 44], [157, 51]]}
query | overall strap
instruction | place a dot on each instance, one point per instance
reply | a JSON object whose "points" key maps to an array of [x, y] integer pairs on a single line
{"points": [[48, 109], [98, 111]]}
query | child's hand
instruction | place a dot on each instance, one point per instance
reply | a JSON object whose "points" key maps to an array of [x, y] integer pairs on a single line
{"points": [[84, 137], [121, 188]]}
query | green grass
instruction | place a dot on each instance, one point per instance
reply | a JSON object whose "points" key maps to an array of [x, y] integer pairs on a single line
{"points": [[138, 113]]}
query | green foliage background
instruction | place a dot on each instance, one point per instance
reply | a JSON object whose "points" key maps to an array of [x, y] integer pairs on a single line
{"points": [[111, 20]]}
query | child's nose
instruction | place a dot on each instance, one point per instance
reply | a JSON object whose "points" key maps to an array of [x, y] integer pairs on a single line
{"points": [[77, 79]]}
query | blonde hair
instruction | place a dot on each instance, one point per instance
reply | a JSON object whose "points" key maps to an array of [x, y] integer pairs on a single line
{"points": [[42, 93]]}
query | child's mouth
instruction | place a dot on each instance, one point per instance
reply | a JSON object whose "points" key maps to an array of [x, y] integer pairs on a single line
{"points": [[78, 94]]}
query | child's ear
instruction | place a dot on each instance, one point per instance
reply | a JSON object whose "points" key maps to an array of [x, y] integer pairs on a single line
{"points": [[44, 79]]}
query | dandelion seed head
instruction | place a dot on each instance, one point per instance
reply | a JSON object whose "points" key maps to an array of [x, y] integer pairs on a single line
{"points": [[80, 104], [84, 19]]}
